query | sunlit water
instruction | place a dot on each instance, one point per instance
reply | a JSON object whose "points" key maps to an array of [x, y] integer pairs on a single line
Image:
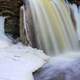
{"points": [[53, 26]]}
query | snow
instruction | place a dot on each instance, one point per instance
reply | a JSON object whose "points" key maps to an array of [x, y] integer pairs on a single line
{"points": [[17, 62]]}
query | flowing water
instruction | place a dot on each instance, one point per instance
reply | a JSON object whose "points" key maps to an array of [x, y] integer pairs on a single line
{"points": [[53, 26]]}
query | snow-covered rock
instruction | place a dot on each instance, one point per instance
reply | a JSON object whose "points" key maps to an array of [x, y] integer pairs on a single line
{"points": [[18, 62]]}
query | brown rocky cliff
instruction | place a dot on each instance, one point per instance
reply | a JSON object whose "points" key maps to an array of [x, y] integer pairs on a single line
{"points": [[11, 9]]}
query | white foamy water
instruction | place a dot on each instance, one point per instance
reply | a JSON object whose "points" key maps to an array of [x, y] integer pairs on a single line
{"points": [[61, 67]]}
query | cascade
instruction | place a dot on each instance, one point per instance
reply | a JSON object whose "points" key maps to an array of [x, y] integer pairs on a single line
{"points": [[53, 26]]}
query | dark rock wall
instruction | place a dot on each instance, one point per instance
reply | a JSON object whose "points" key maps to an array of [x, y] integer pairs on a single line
{"points": [[30, 25], [11, 9]]}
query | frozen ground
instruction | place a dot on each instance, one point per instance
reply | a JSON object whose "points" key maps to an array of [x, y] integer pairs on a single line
{"points": [[17, 62]]}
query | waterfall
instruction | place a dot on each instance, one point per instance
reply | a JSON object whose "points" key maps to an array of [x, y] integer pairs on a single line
{"points": [[53, 26]]}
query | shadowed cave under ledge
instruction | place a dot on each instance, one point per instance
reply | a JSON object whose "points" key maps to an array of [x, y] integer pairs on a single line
{"points": [[10, 9]]}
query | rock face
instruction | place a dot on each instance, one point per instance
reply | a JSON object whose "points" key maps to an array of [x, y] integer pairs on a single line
{"points": [[10, 9], [77, 2], [27, 32]]}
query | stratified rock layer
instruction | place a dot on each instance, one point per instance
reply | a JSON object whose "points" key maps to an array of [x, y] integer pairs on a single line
{"points": [[11, 9]]}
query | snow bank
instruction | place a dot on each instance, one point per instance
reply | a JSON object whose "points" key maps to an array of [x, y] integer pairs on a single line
{"points": [[17, 62]]}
